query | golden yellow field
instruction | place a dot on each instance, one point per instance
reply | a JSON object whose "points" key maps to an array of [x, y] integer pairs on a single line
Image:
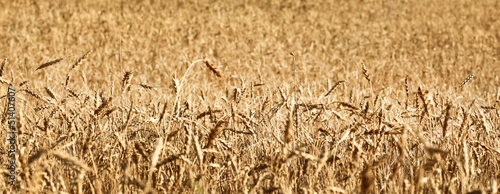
{"points": [[205, 96]]}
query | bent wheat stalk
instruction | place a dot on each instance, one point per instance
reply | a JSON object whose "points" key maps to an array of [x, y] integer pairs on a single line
{"points": [[179, 87]]}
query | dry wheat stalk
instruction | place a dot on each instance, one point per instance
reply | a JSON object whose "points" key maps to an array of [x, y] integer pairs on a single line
{"points": [[48, 64], [84, 78], [4, 81], [466, 80], [367, 75], [424, 100], [168, 160], [87, 144], [139, 123], [488, 107], [446, 118], [72, 93], [399, 160], [155, 156], [213, 134], [102, 106], [212, 68], [348, 105], [145, 86], [351, 95], [129, 116], [81, 60], [72, 160], [140, 148], [333, 87], [41, 108], [162, 114], [175, 84], [283, 96], [3, 65], [78, 62], [33, 94], [107, 113], [36, 156], [288, 128], [407, 92], [126, 78], [67, 80], [50, 93], [197, 146], [22, 83], [235, 95]]}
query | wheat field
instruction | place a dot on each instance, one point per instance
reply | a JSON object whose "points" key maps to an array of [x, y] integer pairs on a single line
{"points": [[251, 96]]}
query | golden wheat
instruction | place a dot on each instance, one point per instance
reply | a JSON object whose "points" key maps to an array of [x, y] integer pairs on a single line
{"points": [[48, 64], [264, 122]]}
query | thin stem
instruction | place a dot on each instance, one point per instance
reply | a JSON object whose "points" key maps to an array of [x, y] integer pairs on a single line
{"points": [[294, 106], [177, 96]]}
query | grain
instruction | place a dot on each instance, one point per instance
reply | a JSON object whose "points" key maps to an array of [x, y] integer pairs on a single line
{"points": [[103, 105], [467, 80], [2, 66], [333, 87], [367, 75], [213, 134], [51, 93], [126, 79], [184, 97], [81, 60], [212, 68], [3, 81], [48, 64]]}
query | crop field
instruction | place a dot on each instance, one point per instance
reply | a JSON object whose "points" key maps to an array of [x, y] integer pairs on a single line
{"points": [[289, 96]]}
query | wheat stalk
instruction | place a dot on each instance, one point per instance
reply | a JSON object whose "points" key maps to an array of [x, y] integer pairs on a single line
{"points": [[1, 67], [145, 86], [87, 144], [3, 81], [41, 108], [212, 68], [154, 158], [407, 92], [81, 59], [213, 134], [126, 79], [367, 74], [48, 64], [78, 62], [71, 160], [22, 83], [50, 93], [294, 108], [33, 94], [466, 80], [102, 106], [333, 87], [169, 159], [446, 118], [421, 95], [162, 114], [36, 156], [288, 127]]}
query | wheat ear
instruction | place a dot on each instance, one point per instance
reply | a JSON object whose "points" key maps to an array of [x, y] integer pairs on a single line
{"points": [[1, 67], [48, 64], [466, 80]]}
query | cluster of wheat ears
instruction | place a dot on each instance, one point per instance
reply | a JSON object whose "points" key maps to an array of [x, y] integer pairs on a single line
{"points": [[203, 97]]}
